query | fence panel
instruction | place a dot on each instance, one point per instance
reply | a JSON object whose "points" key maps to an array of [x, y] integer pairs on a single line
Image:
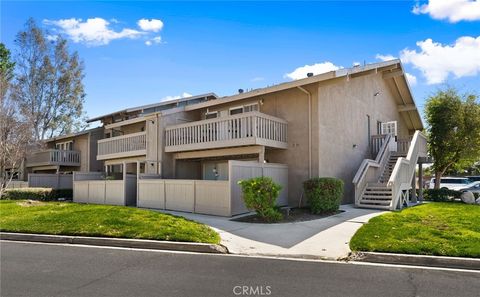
{"points": [[96, 191], [80, 192], [240, 170], [114, 192], [16, 184], [49, 180], [212, 197], [180, 195], [151, 193]]}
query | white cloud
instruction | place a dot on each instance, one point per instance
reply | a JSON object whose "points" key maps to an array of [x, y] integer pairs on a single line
{"points": [[184, 95], [258, 78], [385, 57], [301, 72], [437, 61], [93, 31], [453, 10], [412, 79], [156, 40], [153, 25]]}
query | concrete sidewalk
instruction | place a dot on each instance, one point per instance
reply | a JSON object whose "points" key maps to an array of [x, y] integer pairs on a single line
{"points": [[326, 238]]}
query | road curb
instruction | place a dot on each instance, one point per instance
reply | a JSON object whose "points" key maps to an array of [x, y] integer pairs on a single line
{"points": [[417, 260], [118, 242]]}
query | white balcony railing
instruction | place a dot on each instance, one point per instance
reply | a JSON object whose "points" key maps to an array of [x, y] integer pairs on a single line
{"points": [[54, 157], [134, 144], [252, 128]]}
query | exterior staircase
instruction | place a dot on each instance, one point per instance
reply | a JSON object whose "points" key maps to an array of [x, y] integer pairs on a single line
{"points": [[385, 182], [379, 195]]}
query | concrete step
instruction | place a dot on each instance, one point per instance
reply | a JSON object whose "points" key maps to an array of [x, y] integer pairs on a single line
{"points": [[377, 198]]}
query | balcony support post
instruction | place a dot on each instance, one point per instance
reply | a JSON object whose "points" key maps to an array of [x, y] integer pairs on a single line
{"points": [[261, 155]]}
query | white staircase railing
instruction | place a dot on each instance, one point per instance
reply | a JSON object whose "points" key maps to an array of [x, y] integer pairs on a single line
{"points": [[371, 170], [401, 179]]}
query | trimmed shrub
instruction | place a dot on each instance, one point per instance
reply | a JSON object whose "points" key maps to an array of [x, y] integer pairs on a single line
{"points": [[441, 195], [42, 194], [324, 194], [260, 194]]}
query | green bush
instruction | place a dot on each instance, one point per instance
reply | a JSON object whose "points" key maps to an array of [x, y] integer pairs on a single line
{"points": [[324, 194], [440, 195], [42, 194], [260, 194]]}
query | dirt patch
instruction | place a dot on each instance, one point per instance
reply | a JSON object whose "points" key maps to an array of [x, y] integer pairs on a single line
{"points": [[289, 216], [29, 203]]}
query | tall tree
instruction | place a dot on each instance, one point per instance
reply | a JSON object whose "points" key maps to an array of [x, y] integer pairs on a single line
{"points": [[453, 130], [7, 66], [15, 133], [48, 85]]}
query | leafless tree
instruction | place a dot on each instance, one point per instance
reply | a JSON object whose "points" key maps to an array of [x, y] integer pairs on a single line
{"points": [[48, 83], [15, 136]]}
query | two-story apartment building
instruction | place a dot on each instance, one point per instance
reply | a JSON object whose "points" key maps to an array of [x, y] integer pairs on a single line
{"points": [[356, 124]]}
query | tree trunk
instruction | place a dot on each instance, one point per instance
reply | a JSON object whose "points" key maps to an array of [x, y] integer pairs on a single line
{"points": [[438, 176]]}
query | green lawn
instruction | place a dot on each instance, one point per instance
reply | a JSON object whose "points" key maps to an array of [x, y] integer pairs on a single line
{"points": [[445, 229], [99, 220]]}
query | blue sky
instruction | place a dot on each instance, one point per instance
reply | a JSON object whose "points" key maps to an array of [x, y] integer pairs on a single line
{"points": [[223, 46]]}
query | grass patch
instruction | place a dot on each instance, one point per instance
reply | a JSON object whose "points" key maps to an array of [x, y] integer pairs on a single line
{"points": [[100, 220], [441, 228]]}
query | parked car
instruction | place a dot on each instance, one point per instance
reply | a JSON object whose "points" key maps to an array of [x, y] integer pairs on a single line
{"points": [[474, 178], [472, 187], [451, 183]]}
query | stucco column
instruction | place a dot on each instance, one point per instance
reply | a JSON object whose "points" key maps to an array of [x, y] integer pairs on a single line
{"points": [[420, 182]]}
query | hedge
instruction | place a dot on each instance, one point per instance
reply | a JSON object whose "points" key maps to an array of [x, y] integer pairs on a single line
{"points": [[324, 194], [42, 194]]}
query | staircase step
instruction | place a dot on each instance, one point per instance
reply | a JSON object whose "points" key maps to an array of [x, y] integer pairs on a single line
{"points": [[385, 193], [376, 198], [384, 207], [375, 202]]}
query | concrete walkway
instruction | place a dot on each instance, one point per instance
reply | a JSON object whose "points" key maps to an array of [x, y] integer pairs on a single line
{"points": [[326, 238]]}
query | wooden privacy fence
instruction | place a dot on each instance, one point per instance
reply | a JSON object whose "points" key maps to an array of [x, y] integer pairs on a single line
{"points": [[91, 187], [223, 198], [16, 184], [50, 180], [199, 196]]}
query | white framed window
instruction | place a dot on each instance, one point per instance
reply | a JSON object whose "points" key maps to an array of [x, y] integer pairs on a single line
{"points": [[235, 110], [251, 107], [390, 128], [244, 108], [64, 146], [211, 115]]}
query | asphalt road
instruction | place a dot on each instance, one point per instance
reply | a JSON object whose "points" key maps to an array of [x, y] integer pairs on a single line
{"points": [[56, 270]]}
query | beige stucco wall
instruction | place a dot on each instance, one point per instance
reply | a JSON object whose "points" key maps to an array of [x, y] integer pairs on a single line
{"points": [[343, 134]]}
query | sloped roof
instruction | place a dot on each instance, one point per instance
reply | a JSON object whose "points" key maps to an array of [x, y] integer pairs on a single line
{"points": [[208, 96], [392, 71]]}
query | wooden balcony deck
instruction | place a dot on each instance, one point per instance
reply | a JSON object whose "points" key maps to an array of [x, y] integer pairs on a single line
{"points": [[252, 128], [53, 157], [129, 145]]}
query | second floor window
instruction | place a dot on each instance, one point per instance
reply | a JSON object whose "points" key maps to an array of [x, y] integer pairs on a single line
{"points": [[64, 146]]}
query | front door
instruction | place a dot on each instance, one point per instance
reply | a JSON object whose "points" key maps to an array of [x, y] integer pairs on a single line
{"points": [[390, 128]]}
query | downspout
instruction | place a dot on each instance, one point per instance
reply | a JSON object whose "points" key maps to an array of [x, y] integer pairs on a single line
{"points": [[309, 130]]}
